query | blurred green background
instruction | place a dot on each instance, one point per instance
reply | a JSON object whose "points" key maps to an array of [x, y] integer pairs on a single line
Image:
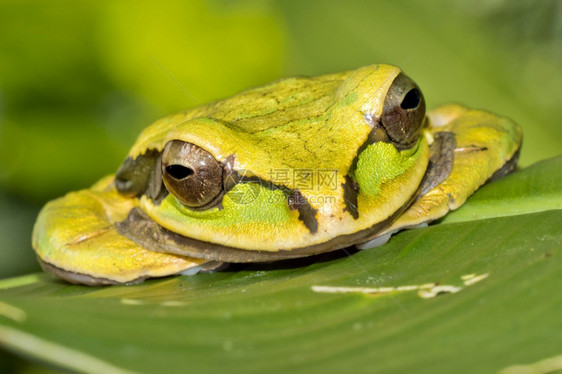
{"points": [[79, 80]]}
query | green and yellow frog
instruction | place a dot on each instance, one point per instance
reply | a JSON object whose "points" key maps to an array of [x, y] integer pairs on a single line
{"points": [[295, 168]]}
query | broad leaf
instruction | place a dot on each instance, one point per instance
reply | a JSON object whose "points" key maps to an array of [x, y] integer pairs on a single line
{"points": [[473, 296]]}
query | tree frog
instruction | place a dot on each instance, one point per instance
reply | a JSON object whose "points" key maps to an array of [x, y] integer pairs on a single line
{"points": [[295, 168]]}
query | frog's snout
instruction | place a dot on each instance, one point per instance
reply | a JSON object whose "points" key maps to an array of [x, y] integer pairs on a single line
{"points": [[404, 112]]}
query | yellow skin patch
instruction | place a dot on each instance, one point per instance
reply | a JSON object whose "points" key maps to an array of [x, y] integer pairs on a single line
{"points": [[76, 233], [276, 134]]}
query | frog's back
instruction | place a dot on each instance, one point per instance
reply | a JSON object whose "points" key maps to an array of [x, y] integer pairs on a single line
{"points": [[278, 103], [258, 126]]}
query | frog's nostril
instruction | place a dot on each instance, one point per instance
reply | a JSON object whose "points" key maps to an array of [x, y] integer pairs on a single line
{"points": [[179, 172], [133, 177], [123, 184], [411, 100]]}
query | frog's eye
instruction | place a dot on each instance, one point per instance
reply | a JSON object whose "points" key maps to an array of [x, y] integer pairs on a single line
{"points": [[192, 174], [404, 112]]}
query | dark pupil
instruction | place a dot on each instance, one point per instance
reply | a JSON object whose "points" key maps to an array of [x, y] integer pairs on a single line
{"points": [[178, 171], [411, 100]]}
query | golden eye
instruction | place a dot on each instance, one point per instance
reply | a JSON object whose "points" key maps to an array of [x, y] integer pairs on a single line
{"points": [[404, 112], [192, 174]]}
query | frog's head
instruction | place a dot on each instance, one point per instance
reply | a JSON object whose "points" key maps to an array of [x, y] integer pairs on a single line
{"points": [[275, 169], [294, 168]]}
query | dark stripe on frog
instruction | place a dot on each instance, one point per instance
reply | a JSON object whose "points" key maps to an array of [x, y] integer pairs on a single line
{"points": [[350, 186], [350, 192], [441, 157], [307, 214], [145, 232]]}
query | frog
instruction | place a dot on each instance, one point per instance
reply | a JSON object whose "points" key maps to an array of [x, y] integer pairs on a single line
{"points": [[296, 168]]}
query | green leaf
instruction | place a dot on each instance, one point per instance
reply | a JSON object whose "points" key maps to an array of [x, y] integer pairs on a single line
{"points": [[533, 189], [473, 296]]}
